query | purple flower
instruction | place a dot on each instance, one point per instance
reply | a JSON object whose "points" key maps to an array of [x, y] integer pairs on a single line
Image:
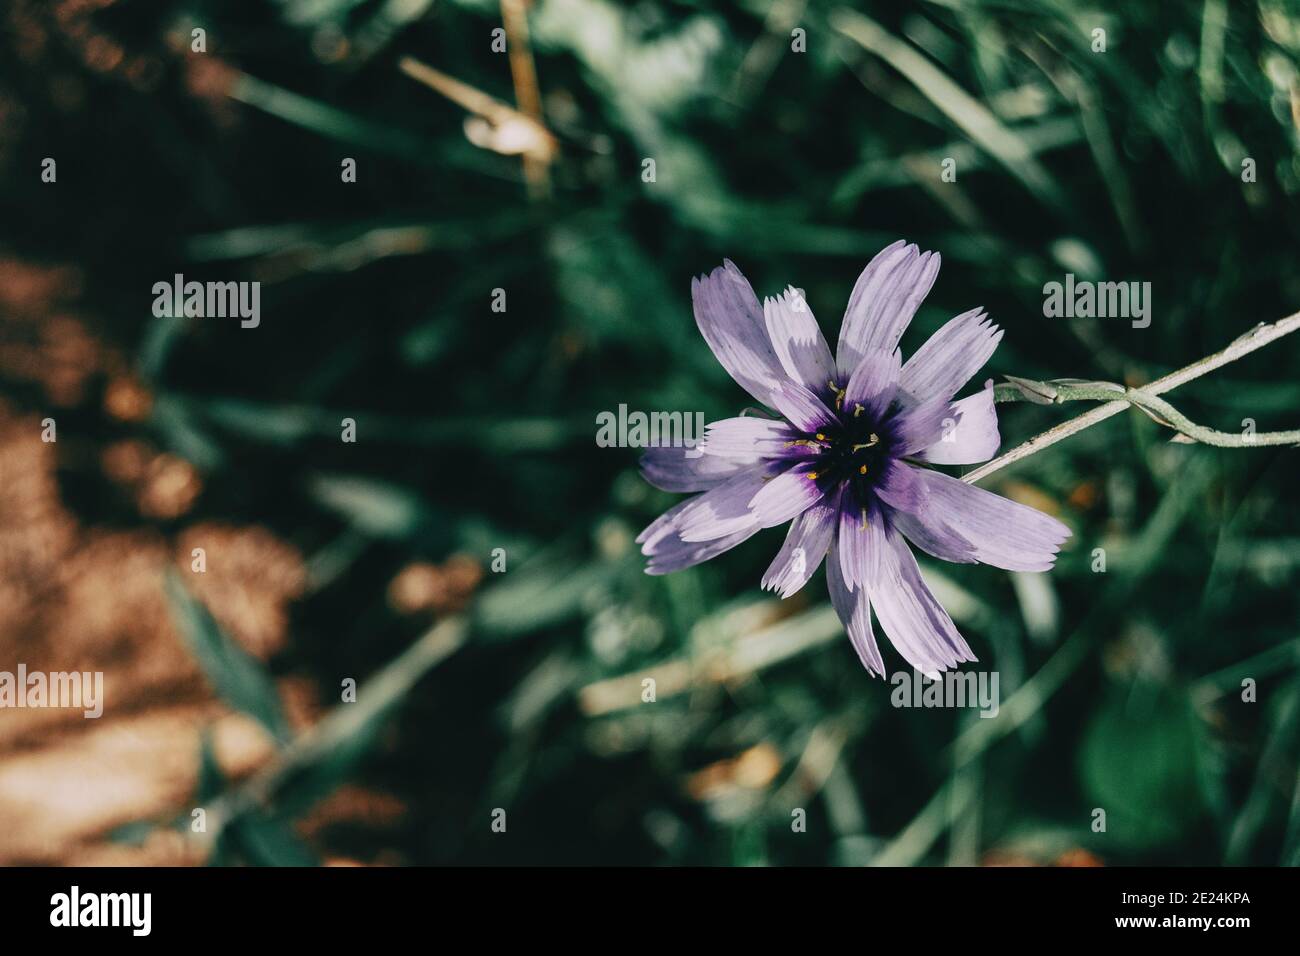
{"points": [[844, 462]]}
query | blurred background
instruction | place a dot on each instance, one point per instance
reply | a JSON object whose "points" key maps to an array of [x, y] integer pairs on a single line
{"points": [[796, 138]]}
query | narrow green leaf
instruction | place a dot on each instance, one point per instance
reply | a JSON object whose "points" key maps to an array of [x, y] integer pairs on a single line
{"points": [[238, 678]]}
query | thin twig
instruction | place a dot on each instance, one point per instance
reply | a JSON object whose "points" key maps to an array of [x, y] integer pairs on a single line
{"points": [[523, 73], [500, 127], [1257, 338]]}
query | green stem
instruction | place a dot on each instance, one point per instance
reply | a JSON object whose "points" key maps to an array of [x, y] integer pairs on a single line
{"points": [[1161, 411], [1116, 402]]}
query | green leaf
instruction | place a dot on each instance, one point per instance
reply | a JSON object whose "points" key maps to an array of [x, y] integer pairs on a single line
{"points": [[211, 780], [538, 597], [239, 679], [374, 507]]}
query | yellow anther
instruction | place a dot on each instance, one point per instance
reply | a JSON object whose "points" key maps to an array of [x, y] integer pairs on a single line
{"points": [[857, 410], [812, 475], [821, 437], [862, 470]]}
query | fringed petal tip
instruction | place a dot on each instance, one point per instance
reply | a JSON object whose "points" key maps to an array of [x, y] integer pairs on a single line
{"points": [[884, 299], [951, 357], [959, 521]]}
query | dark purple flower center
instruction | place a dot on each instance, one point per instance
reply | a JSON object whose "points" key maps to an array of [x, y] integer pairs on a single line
{"points": [[854, 450]]}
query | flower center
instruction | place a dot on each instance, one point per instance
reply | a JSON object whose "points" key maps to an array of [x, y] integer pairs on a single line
{"points": [[854, 450]]}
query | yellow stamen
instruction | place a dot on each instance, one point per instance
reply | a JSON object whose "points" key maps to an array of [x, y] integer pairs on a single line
{"points": [[862, 470], [812, 475], [821, 437], [857, 410]]}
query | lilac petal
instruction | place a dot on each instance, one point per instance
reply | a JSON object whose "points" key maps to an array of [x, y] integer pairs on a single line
{"points": [[974, 438], [884, 299], [788, 494], [748, 438], [917, 427], [854, 611], [731, 321], [950, 357], [662, 528], [899, 485], [798, 341], [674, 554], [999, 532], [694, 514], [805, 410], [912, 618], [874, 382], [686, 469], [860, 540], [805, 545], [940, 541], [663, 544], [723, 510]]}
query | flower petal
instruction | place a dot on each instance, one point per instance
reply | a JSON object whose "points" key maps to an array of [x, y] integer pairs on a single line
{"points": [[884, 299], [805, 410], [973, 438], [997, 531], [861, 537], [917, 427], [941, 541], [854, 611], [874, 382], [788, 494], [716, 513], [912, 618], [798, 341], [653, 536], [805, 545], [731, 321], [950, 357], [674, 554], [724, 510], [749, 438], [899, 485], [687, 469]]}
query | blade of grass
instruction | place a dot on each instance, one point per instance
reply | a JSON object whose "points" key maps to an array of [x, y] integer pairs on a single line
{"points": [[962, 109]]}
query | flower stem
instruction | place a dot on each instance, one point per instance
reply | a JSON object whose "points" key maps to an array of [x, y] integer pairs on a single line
{"points": [[1117, 398]]}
